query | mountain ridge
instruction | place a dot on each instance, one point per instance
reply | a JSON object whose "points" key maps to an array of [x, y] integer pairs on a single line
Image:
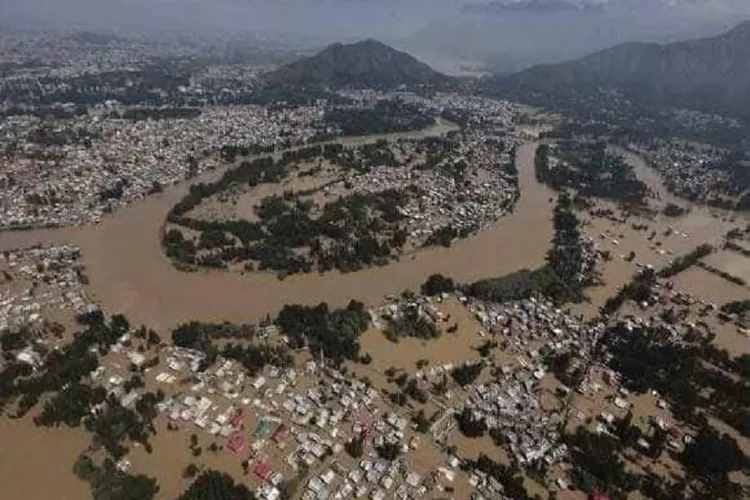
{"points": [[364, 63], [708, 74]]}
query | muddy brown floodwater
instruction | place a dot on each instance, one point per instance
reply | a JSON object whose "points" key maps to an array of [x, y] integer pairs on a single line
{"points": [[130, 274], [37, 463]]}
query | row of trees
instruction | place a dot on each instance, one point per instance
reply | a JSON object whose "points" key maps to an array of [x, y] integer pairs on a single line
{"points": [[686, 261], [568, 271], [639, 289]]}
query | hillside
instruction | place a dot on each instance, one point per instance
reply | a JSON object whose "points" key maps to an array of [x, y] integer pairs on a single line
{"points": [[367, 63], [711, 74]]}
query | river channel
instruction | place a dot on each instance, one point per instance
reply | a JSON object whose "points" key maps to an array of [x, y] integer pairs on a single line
{"points": [[130, 274]]}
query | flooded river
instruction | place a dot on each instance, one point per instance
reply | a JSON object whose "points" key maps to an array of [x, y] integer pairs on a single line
{"points": [[130, 274]]}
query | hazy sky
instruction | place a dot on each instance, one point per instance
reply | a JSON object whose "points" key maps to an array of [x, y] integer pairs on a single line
{"points": [[348, 17], [435, 27]]}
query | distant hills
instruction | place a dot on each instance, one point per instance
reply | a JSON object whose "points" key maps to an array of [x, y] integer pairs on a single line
{"points": [[710, 74], [367, 63]]}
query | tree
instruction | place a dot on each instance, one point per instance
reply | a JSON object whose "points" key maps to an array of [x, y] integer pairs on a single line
{"points": [[290, 487], [84, 468], [673, 210], [629, 434], [510, 478], [470, 425], [598, 456], [190, 471], [437, 284], [355, 447], [422, 423], [466, 374], [153, 338], [119, 324], [389, 451], [335, 333], [713, 456], [215, 485]]}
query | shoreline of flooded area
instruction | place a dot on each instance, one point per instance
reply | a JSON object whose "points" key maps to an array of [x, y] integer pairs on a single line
{"points": [[130, 274]]}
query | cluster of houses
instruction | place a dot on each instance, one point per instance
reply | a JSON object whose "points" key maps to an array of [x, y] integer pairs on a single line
{"points": [[375, 479], [481, 110], [61, 54], [532, 433], [283, 420], [511, 403], [481, 194], [691, 172], [533, 323], [102, 163], [37, 281]]}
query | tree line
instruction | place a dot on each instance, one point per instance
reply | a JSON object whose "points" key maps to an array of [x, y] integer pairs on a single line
{"points": [[569, 267]]}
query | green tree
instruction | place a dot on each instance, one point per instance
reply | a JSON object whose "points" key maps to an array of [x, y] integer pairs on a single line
{"points": [[355, 447], [190, 471], [215, 485]]}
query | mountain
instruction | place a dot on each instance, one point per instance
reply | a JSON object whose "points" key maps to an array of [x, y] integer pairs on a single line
{"points": [[366, 63], [511, 35], [710, 74]]}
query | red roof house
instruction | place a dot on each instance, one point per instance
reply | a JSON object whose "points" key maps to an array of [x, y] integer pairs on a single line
{"points": [[237, 420], [280, 434], [236, 443], [263, 470]]}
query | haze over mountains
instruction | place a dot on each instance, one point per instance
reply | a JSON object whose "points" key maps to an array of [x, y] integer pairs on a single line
{"points": [[513, 35], [508, 34], [710, 74]]}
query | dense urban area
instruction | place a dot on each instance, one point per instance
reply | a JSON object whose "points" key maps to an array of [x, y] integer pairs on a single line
{"points": [[217, 283]]}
